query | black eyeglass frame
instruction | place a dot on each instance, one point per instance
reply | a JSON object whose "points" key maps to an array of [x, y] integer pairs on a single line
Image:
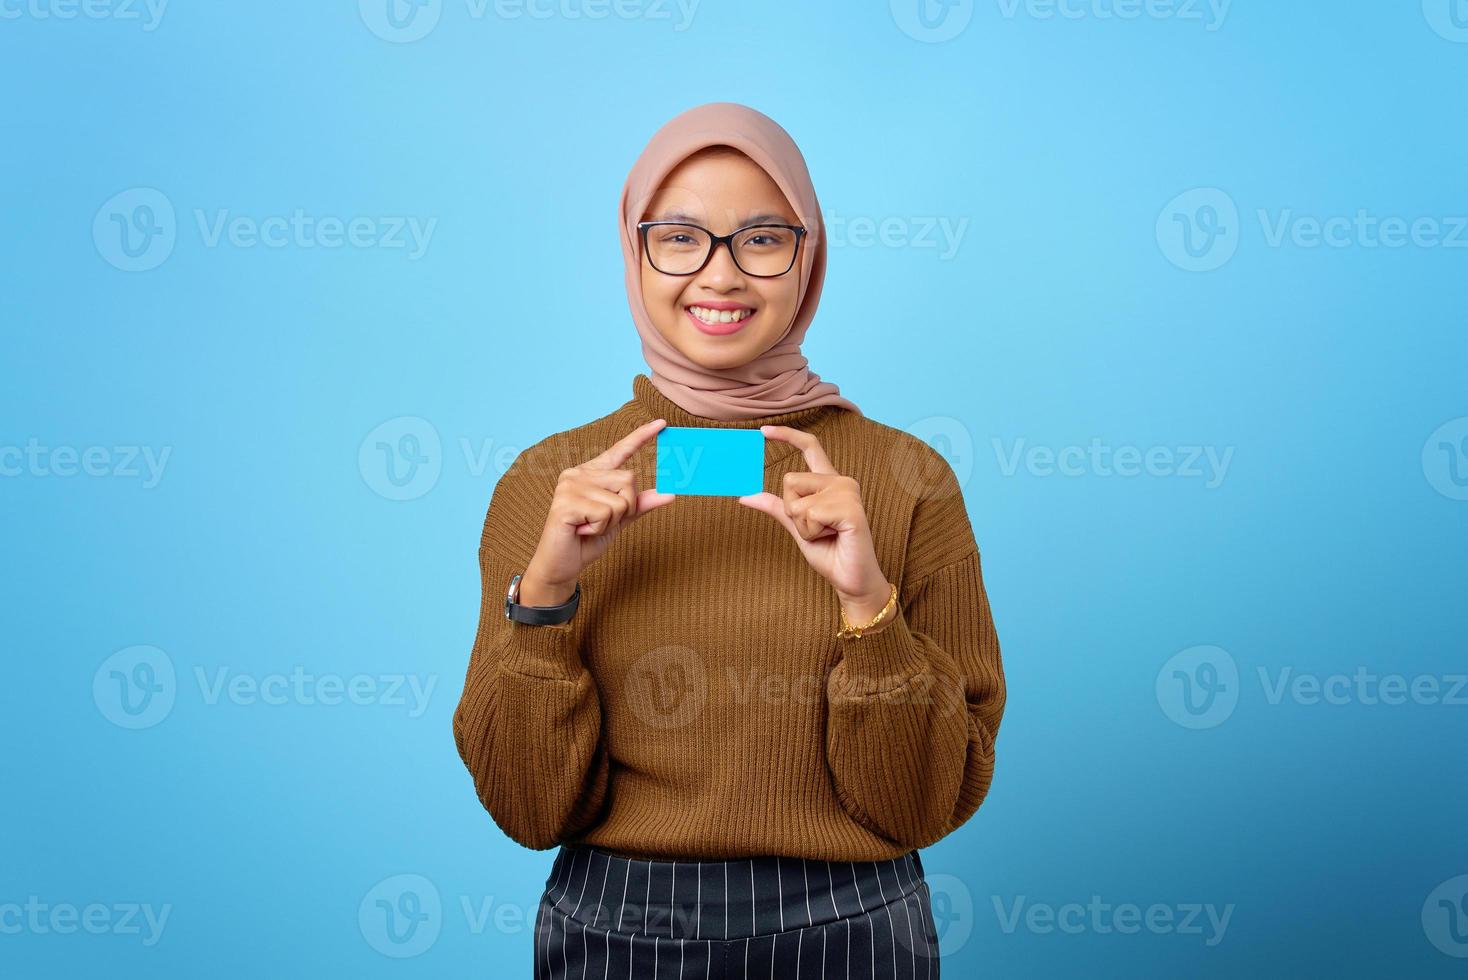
{"points": [[727, 241]]}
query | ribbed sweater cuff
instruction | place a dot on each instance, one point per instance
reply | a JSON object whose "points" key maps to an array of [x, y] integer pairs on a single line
{"points": [[878, 661], [552, 652]]}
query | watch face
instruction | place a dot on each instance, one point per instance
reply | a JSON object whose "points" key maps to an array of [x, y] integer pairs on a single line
{"points": [[512, 595]]}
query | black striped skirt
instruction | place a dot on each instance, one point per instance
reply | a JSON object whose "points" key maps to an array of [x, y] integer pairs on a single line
{"points": [[604, 916]]}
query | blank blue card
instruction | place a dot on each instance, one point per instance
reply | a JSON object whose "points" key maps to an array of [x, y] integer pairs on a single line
{"points": [[710, 462]]}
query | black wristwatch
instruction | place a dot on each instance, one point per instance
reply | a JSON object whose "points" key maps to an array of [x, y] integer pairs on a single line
{"points": [[539, 615]]}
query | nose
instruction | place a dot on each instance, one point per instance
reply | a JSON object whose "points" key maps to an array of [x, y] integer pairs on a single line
{"points": [[721, 272]]}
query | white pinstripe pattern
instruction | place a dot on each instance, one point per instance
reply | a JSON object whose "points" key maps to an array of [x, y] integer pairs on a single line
{"points": [[911, 890], [780, 891], [565, 935], [831, 886], [585, 955], [551, 920], [623, 911], [906, 914], [890, 928], [620, 913], [698, 931], [607, 955], [810, 919], [579, 899], [551, 932], [753, 925], [646, 901], [930, 948]]}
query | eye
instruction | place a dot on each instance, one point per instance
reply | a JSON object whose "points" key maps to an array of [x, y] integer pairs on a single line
{"points": [[765, 238]]}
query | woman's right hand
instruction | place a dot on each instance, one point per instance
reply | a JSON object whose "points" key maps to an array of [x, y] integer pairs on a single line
{"points": [[591, 504]]}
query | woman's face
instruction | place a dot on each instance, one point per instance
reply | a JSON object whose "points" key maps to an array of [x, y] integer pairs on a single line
{"points": [[722, 191]]}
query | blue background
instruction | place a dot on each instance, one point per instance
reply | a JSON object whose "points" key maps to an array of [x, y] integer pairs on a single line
{"points": [[280, 536]]}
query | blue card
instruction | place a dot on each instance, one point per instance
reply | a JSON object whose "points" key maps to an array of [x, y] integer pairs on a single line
{"points": [[710, 462]]}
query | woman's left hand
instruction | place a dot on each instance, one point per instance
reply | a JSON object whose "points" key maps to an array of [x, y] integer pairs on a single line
{"points": [[822, 510]]}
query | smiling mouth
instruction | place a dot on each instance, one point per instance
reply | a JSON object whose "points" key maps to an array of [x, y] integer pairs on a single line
{"points": [[718, 317], [719, 323]]}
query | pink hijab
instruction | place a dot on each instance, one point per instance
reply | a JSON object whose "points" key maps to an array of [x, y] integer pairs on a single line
{"points": [[778, 380]]}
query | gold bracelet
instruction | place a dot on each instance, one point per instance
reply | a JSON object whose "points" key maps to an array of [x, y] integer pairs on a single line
{"points": [[848, 631]]}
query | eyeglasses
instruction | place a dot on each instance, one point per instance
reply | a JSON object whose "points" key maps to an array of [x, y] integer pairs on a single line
{"points": [[676, 248]]}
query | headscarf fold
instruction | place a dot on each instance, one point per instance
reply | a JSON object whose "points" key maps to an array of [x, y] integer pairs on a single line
{"points": [[778, 380]]}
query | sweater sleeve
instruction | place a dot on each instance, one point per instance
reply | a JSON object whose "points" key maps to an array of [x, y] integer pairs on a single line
{"points": [[528, 724], [915, 705]]}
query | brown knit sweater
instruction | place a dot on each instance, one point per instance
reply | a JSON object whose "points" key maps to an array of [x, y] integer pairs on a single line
{"points": [[699, 704]]}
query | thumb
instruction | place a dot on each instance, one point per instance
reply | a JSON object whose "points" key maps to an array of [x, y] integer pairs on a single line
{"points": [[646, 500], [651, 500], [772, 505]]}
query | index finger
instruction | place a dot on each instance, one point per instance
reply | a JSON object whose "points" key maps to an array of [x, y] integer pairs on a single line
{"points": [[617, 454], [806, 442]]}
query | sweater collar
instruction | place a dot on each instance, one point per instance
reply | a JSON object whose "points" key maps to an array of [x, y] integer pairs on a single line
{"points": [[649, 403]]}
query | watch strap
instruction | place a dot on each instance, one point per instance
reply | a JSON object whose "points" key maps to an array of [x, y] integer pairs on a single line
{"points": [[539, 615]]}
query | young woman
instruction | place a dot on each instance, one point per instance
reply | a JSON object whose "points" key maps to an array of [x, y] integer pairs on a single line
{"points": [[738, 717]]}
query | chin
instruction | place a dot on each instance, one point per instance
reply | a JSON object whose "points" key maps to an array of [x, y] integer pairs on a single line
{"points": [[719, 358], [709, 352]]}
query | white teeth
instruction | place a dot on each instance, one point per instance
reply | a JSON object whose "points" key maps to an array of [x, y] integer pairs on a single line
{"points": [[719, 316]]}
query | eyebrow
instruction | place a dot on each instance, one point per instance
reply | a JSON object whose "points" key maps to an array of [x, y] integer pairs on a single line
{"points": [[753, 219]]}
